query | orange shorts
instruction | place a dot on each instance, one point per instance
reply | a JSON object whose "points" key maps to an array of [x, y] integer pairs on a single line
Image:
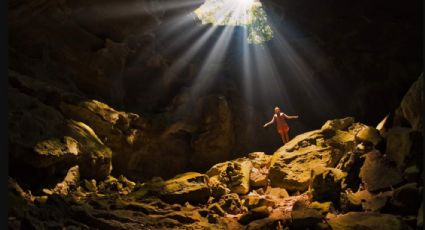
{"points": [[283, 129]]}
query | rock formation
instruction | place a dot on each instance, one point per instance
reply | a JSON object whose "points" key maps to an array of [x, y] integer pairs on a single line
{"points": [[336, 177]]}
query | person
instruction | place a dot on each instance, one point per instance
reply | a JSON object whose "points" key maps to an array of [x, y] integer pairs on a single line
{"points": [[282, 127]]}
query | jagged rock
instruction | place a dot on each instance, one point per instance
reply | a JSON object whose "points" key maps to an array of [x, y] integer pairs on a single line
{"points": [[368, 201], [258, 177], [255, 214], [90, 185], [216, 208], [231, 203], [304, 217], [351, 164], [411, 174], [411, 107], [369, 135], [70, 182], [95, 160], [234, 174], [367, 220], [378, 172], [337, 124], [218, 189], [216, 135], [324, 207], [326, 184], [403, 146], [406, 199], [277, 193], [188, 187]]}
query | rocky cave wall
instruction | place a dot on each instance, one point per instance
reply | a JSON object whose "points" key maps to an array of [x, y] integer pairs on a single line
{"points": [[63, 54]]}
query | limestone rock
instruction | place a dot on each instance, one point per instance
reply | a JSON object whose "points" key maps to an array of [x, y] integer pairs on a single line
{"points": [[70, 182], [255, 214], [234, 174], [403, 146], [326, 184], [231, 203], [95, 160], [367, 220], [369, 135], [52, 151], [304, 217], [411, 107], [407, 199], [378, 172], [337, 124], [277, 193], [188, 187], [368, 201]]}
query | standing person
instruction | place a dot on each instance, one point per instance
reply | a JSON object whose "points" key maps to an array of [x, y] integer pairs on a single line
{"points": [[281, 125]]}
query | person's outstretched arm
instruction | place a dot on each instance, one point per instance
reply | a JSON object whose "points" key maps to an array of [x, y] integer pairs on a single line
{"points": [[269, 123], [290, 117]]}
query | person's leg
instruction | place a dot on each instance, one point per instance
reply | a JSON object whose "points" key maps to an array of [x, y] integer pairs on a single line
{"points": [[286, 137], [283, 137]]}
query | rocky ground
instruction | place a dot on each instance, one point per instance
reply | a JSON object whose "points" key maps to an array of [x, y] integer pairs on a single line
{"points": [[346, 175]]}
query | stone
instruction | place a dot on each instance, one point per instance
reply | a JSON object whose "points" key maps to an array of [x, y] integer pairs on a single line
{"points": [[411, 106], [326, 184], [187, 187], [378, 172], [368, 201], [323, 207], [369, 135], [231, 203], [95, 160], [258, 177], [277, 193], [52, 151], [69, 182], [216, 208], [255, 214], [403, 146], [304, 217], [337, 124], [411, 174], [234, 174], [218, 189], [367, 220], [406, 199]]}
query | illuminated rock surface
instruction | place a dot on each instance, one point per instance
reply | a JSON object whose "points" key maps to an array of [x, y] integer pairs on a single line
{"points": [[307, 183]]}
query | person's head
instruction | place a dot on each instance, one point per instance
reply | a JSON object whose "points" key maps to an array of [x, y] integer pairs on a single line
{"points": [[276, 109]]}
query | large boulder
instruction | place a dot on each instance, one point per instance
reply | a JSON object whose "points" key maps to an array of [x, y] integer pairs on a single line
{"points": [[367, 200], [407, 199], [188, 187], [326, 184], [410, 110], [291, 165], [369, 135], [234, 174], [304, 217], [95, 161], [378, 172], [403, 146], [367, 220]]}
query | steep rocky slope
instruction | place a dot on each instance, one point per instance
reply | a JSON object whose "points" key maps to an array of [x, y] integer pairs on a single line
{"points": [[346, 175]]}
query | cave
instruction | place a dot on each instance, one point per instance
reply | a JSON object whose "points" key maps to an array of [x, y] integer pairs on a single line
{"points": [[162, 114]]}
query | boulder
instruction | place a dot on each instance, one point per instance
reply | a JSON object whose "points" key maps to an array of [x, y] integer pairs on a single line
{"points": [[187, 187], [406, 199], [367, 220], [232, 204], [52, 151], [337, 124], [326, 184], [378, 172], [403, 146], [367, 200], [411, 106], [95, 160], [69, 183], [304, 217], [255, 214], [368, 135], [234, 174], [276, 193]]}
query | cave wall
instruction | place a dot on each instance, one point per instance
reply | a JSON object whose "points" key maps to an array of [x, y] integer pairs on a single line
{"points": [[370, 53]]}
